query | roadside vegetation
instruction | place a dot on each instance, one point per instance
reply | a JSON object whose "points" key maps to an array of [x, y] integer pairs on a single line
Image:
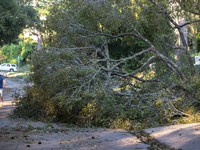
{"points": [[117, 64]]}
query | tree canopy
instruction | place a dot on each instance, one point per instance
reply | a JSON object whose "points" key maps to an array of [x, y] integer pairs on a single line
{"points": [[14, 18]]}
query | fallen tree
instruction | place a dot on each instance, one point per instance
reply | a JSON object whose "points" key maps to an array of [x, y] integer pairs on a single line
{"points": [[77, 80]]}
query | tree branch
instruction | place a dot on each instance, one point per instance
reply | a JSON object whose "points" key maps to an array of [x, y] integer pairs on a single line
{"points": [[189, 23]]}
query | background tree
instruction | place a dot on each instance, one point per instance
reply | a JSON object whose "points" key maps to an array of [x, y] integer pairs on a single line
{"points": [[14, 18], [23, 49]]}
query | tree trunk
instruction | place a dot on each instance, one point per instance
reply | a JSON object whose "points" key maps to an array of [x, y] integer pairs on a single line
{"points": [[39, 39], [184, 30]]}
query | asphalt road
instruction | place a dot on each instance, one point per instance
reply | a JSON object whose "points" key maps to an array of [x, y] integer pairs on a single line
{"points": [[182, 137], [106, 139], [7, 103]]}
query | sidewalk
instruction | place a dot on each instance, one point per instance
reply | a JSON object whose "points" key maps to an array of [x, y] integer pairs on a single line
{"points": [[182, 137]]}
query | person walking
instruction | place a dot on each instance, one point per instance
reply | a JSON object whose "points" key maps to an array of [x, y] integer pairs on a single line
{"points": [[2, 86]]}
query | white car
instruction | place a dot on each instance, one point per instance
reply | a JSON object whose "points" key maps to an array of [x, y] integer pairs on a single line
{"points": [[8, 67]]}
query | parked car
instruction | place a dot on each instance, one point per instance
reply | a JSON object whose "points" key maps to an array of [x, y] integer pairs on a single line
{"points": [[8, 67]]}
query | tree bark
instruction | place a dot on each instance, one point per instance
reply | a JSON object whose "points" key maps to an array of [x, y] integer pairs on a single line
{"points": [[39, 39]]}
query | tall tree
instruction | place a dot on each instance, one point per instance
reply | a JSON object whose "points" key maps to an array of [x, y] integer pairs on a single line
{"points": [[14, 18]]}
